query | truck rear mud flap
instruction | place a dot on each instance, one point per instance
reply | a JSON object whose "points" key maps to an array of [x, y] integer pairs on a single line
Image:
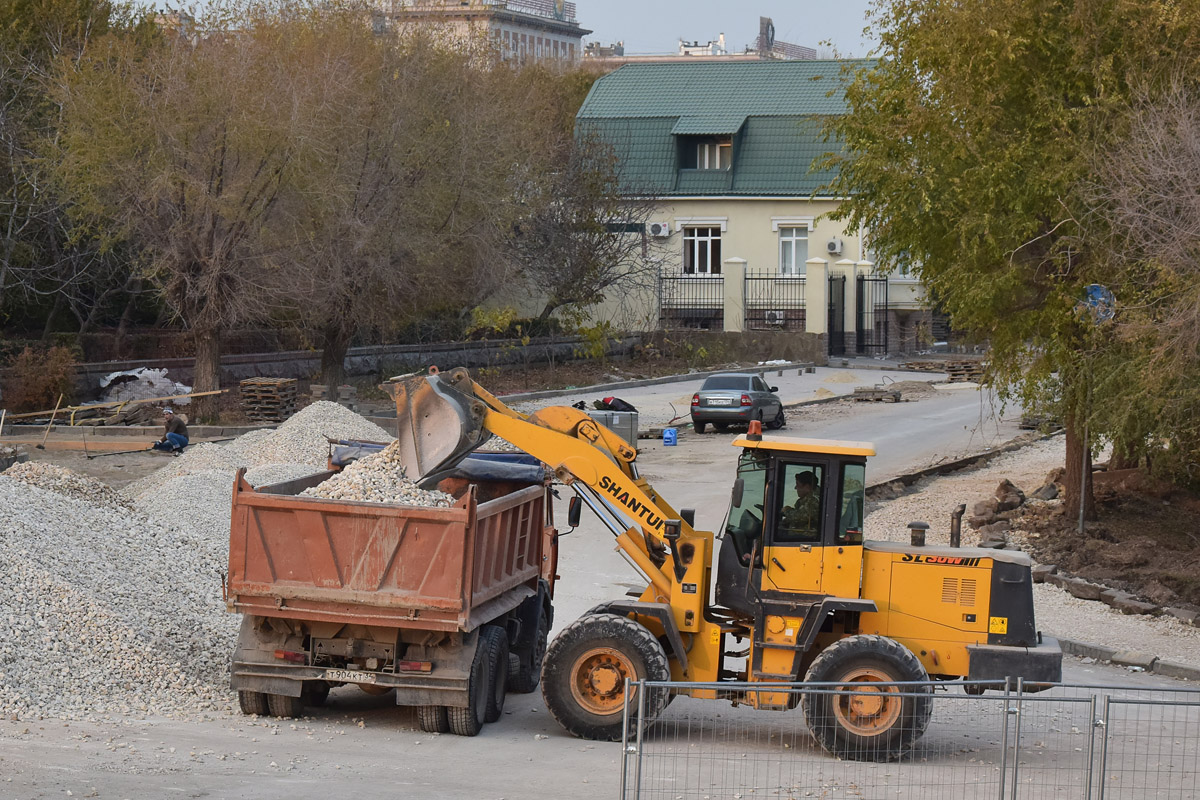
{"points": [[441, 688], [1039, 666]]}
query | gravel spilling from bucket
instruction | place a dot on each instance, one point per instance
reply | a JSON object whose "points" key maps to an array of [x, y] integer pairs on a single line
{"points": [[378, 478]]}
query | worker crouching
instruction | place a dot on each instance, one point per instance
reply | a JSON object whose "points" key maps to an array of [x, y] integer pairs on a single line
{"points": [[175, 437]]}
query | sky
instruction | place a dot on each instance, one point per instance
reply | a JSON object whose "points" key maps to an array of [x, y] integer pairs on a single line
{"points": [[656, 26]]}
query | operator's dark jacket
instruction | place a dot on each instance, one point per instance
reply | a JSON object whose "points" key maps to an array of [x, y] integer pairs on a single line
{"points": [[175, 425]]}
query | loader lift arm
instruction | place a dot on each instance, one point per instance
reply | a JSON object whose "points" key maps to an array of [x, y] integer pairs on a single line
{"points": [[444, 416]]}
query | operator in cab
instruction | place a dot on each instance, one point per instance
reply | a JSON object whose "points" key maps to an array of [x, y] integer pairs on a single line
{"points": [[804, 516]]}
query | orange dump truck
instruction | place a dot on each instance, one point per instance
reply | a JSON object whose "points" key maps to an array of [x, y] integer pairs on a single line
{"points": [[448, 607]]}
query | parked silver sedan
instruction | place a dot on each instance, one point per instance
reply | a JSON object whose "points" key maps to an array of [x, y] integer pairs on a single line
{"points": [[734, 397]]}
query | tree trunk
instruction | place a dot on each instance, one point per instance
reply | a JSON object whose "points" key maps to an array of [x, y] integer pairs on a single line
{"points": [[207, 376], [57, 307], [334, 345], [1079, 470], [134, 289]]}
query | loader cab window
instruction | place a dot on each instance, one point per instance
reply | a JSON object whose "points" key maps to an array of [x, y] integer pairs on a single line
{"points": [[798, 516], [853, 501], [744, 525]]}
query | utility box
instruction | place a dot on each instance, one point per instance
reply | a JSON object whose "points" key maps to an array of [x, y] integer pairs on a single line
{"points": [[622, 423]]}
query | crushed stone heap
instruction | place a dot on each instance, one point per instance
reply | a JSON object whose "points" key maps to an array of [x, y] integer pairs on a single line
{"points": [[378, 478], [69, 484]]}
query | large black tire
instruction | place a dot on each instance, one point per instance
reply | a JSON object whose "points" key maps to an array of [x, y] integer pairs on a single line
{"points": [[779, 421], [469, 721], [699, 427], [525, 680], [433, 719], [315, 693], [253, 703], [281, 705], [879, 724], [587, 665], [496, 641]]}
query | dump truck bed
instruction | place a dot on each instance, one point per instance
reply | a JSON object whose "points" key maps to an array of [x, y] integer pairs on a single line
{"points": [[380, 564]]}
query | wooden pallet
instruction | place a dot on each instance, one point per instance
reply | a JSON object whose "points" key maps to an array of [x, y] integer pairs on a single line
{"points": [[959, 371], [269, 399]]}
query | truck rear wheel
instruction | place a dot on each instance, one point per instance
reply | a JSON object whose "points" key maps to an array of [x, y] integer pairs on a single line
{"points": [[527, 677], [315, 693], [878, 723], [281, 705], [469, 721], [433, 719], [587, 666], [253, 703], [496, 641]]}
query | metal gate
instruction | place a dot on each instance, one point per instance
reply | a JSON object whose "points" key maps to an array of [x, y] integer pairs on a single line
{"points": [[837, 315], [774, 301], [871, 330]]}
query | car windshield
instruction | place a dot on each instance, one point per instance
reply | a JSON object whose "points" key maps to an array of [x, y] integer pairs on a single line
{"points": [[734, 382]]}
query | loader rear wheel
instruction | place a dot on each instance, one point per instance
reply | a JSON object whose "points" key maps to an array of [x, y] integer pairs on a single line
{"points": [[281, 705], [878, 723], [587, 666], [496, 641], [469, 721], [433, 719], [253, 703]]}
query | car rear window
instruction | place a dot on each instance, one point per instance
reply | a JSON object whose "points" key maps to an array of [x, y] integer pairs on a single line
{"points": [[726, 382]]}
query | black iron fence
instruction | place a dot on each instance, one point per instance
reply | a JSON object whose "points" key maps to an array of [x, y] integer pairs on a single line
{"points": [[1071, 741], [692, 302], [774, 302]]}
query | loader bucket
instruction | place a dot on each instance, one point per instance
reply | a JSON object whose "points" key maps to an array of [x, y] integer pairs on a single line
{"points": [[437, 424]]}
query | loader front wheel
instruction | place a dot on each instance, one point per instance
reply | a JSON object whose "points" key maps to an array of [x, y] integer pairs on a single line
{"points": [[860, 718], [587, 666]]}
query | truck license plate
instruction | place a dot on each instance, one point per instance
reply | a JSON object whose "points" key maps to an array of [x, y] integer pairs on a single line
{"points": [[349, 676], [720, 401]]}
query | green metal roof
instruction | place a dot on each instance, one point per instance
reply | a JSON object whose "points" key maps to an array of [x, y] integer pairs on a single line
{"points": [[775, 111], [710, 124]]}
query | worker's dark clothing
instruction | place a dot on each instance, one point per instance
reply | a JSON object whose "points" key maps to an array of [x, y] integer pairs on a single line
{"points": [[176, 437]]}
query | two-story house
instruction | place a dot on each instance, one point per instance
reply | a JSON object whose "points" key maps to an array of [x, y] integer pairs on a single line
{"points": [[730, 152]]}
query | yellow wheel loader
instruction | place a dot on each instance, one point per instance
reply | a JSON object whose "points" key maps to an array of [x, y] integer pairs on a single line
{"points": [[795, 582]]}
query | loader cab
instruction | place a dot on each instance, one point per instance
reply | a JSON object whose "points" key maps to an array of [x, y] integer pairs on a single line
{"points": [[796, 526]]}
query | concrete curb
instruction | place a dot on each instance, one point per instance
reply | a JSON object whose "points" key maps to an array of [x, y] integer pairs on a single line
{"points": [[1150, 663]]}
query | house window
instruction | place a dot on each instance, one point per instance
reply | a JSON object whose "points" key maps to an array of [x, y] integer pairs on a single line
{"points": [[714, 154], [793, 251], [702, 251]]}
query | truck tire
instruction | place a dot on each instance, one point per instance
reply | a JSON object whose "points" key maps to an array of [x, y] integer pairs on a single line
{"points": [[586, 669], [496, 641], [315, 693], [433, 719], [526, 678], [880, 724], [469, 721], [281, 705], [253, 703]]}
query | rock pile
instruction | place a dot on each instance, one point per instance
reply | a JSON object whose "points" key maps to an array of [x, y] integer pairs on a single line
{"points": [[993, 517], [69, 484], [379, 478], [104, 612]]}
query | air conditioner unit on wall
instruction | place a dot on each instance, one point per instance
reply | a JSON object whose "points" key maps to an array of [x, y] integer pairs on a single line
{"points": [[659, 229], [775, 317], [834, 247]]}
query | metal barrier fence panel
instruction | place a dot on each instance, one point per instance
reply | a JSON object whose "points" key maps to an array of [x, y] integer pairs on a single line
{"points": [[1091, 743]]}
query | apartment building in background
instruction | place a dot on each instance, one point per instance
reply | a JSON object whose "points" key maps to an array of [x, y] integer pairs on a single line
{"points": [[525, 30]]}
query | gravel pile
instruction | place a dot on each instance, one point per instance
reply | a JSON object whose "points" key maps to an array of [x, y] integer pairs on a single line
{"points": [[302, 440], [67, 483], [379, 478], [278, 473], [103, 612]]}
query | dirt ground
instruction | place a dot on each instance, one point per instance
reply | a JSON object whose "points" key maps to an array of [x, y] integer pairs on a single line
{"points": [[1145, 541]]}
